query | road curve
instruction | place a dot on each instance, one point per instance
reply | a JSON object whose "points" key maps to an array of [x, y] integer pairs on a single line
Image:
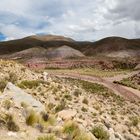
{"points": [[116, 88]]}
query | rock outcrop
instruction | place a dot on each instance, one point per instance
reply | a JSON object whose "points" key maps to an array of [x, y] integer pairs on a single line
{"points": [[19, 96]]}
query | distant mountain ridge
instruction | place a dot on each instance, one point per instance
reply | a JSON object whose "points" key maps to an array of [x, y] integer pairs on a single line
{"points": [[110, 46]]}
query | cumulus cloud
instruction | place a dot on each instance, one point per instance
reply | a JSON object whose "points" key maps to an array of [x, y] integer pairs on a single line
{"points": [[79, 19]]}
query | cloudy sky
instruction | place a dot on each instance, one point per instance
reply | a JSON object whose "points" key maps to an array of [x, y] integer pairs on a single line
{"points": [[79, 19]]}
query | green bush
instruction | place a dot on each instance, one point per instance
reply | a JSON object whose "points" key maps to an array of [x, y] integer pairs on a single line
{"points": [[100, 133]]}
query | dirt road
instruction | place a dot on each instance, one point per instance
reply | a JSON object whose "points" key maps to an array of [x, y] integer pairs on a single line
{"points": [[128, 93]]}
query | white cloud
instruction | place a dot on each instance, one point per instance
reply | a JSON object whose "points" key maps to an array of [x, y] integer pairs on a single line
{"points": [[80, 19]]}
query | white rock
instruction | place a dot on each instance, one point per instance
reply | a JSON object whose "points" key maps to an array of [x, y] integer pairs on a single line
{"points": [[12, 134], [45, 76], [67, 114], [19, 96]]}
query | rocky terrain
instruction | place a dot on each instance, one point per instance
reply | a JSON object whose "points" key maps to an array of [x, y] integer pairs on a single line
{"points": [[43, 107]]}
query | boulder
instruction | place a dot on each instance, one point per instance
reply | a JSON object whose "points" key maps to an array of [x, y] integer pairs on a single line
{"points": [[18, 96], [67, 114]]}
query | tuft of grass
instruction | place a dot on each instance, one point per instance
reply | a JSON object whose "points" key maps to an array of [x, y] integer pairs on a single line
{"points": [[70, 128], [100, 133], [84, 109], [3, 84], [61, 106], [30, 84], [82, 136], [7, 104], [85, 101], [77, 92], [32, 118], [68, 97], [11, 125], [134, 120], [13, 77], [73, 131], [48, 137]]}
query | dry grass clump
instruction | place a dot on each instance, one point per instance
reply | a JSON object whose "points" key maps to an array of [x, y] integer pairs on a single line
{"points": [[3, 84], [30, 84], [7, 104], [134, 120], [85, 101], [32, 118], [100, 133], [72, 130], [9, 122], [48, 137]]}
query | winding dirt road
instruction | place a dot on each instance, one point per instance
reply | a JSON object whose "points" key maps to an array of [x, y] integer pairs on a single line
{"points": [[126, 92]]}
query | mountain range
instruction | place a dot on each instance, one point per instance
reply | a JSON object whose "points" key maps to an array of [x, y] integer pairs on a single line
{"points": [[58, 47]]}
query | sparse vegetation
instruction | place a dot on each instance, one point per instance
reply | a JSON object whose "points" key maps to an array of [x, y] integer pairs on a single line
{"points": [[11, 125], [32, 118], [128, 82], [84, 109], [85, 101], [77, 92], [30, 84], [7, 104], [3, 84], [134, 121], [60, 107], [12, 77], [48, 137], [70, 128], [91, 71], [100, 133]]}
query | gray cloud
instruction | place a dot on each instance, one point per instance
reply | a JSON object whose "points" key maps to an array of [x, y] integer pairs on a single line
{"points": [[80, 19]]}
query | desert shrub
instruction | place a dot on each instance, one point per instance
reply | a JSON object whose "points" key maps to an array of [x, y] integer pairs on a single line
{"points": [[3, 84], [32, 118], [50, 106], [84, 109], [134, 120], [12, 77], [11, 125], [61, 106], [48, 137], [77, 92], [82, 136], [70, 128], [100, 133], [30, 84], [7, 104], [68, 97], [85, 101]]}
